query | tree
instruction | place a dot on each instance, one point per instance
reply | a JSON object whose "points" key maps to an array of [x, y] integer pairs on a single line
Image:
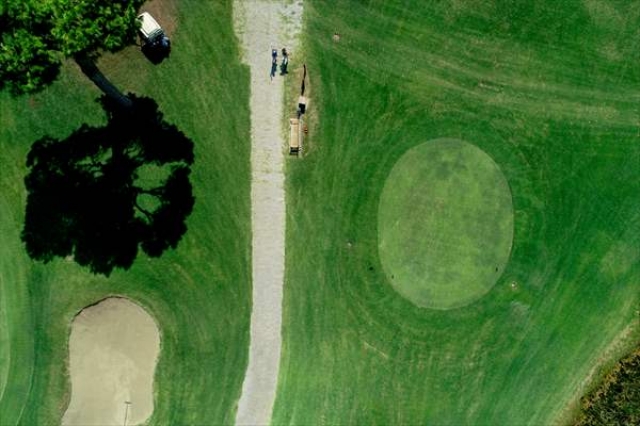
{"points": [[103, 193], [36, 35]]}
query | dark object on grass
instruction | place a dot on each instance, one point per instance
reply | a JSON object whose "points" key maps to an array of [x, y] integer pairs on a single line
{"points": [[158, 51], [104, 192], [304, 77], [302, 105]]}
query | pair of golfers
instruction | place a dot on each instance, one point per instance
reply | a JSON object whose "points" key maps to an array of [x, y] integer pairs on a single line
{"points": [[274, 62]]}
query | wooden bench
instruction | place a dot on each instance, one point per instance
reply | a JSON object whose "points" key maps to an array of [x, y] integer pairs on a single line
{"points": [[294, 136]]}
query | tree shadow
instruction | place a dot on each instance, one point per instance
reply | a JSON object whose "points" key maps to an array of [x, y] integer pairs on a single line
{"points": [[104, 192]]}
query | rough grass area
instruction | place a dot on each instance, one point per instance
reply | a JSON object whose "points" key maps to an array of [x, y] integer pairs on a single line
{"points": [[547, 89], [616, 401], [200, 292], [445, 224]]}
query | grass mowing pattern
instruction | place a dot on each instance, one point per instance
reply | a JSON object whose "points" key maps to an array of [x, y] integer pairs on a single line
{"points": [[199, 293], [547, 89], [445, 224]]}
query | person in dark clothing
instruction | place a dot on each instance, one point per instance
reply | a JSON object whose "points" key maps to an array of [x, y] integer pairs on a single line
{"points": [[274, 62], [285, 62]]}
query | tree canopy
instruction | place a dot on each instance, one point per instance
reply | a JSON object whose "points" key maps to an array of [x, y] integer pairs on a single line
{"points": [[36, 35], [104, 192]]}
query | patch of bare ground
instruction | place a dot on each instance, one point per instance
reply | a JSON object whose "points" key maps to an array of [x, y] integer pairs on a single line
{"points": [[165, 12], [261, 26], [113, 349]]}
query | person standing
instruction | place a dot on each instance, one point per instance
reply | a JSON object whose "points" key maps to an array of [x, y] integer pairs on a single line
{"points": [[274, 62], [285, 62]]}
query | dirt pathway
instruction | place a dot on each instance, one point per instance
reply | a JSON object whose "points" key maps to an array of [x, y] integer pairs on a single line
{"points": [[262, 25]]}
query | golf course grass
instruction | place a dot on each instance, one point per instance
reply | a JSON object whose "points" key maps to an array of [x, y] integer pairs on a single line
{"points": [[549, 91], [199, 293], [445, 224]]}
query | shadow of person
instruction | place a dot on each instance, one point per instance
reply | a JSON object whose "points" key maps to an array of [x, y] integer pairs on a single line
{"points": [[104, 192]]}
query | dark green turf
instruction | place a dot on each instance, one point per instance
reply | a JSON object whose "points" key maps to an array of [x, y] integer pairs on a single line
{"points": [[199, 293], [548, 89], [445, 224]]}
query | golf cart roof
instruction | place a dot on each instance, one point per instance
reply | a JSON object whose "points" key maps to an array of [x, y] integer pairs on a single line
{"points": [[149, 27]]}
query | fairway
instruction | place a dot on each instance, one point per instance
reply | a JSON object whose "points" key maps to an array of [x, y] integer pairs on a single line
{"points": [[544, 93], [458, 245], [200, 292], [445, 224]]}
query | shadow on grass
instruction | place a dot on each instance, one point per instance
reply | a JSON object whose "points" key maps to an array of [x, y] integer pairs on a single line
{"points": [[104, 192], [156, 53]]}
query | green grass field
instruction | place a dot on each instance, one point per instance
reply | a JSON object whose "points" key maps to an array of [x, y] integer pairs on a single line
{"points": [[199, 293], [550, 91], [445, 224]]}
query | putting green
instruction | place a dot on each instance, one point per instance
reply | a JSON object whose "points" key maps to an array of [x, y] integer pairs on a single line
{"points": [[445, 224]]}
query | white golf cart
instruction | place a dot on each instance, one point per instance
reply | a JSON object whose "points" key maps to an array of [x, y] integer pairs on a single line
{"points": [[152, 34]]}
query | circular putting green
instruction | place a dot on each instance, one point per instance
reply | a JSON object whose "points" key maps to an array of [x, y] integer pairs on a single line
{"points": [[445, 224]]}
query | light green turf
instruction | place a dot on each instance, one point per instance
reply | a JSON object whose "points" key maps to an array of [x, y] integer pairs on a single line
{"points": [[200, 292], [550, 90], [445, 224]]}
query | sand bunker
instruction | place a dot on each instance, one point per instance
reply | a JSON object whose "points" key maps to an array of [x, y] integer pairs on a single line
{"points": [[113, 350]]}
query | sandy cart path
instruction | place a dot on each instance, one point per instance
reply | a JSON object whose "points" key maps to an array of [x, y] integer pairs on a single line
{"points": [[262, 25]]}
